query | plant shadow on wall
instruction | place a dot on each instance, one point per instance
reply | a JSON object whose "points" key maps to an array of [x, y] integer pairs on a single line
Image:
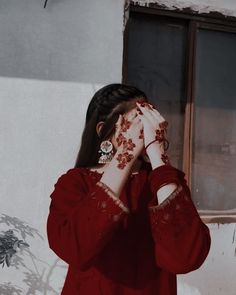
{"points": [[15, 252]]}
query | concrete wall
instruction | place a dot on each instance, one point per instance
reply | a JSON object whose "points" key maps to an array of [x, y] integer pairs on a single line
{"points": [[51, 62]]}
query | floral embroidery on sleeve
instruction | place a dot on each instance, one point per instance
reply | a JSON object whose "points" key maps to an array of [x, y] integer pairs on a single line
{"points": [[113, 196]]}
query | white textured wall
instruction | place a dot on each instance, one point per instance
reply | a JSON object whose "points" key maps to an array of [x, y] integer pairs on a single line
{"points": [[51, 63]]}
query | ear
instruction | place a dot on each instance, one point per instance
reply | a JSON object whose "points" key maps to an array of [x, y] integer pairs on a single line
{"points": [[99, 127]]}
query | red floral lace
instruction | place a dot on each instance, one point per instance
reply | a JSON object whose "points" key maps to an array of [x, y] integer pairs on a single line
{"points": [[173, 214]]}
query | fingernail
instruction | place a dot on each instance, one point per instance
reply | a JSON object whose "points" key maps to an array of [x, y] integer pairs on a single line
{"points": [[140, 103]]}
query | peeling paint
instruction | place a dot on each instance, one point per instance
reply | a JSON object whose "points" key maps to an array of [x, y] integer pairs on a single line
{"points": [[126, 13], [227, 8]]}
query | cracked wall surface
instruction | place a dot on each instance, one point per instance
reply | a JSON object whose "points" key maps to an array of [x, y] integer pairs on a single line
{"points": [[225, 7]]}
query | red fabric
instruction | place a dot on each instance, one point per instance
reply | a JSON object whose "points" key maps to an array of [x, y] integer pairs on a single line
{"points": [[114, 252]]}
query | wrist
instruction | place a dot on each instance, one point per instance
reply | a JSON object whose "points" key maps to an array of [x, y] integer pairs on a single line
{"points": [[155, 148], [157, 163], [150, 143], [155, 154], [114, 176]]}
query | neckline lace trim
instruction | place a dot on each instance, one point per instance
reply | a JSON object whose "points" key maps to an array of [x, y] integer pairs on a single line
{"points": [[99, 174]]}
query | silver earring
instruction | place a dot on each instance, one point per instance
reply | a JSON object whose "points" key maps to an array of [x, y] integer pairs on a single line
{"points": [[106, 151]]}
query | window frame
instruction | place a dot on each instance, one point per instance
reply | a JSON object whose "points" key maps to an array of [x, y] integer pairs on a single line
{"points": [[210, 21]]}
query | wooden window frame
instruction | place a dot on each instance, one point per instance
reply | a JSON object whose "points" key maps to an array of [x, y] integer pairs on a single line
{"points": [[211, 21]]}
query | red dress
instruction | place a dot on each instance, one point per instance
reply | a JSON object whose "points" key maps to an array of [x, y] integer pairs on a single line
{"points": [[135, 247]]}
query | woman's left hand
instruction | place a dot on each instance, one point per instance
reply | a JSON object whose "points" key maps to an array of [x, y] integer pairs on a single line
{"points": [[154, 125]]}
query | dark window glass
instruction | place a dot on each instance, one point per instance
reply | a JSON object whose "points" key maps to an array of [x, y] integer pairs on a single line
{"points": [[214, 128], [156, 64]]}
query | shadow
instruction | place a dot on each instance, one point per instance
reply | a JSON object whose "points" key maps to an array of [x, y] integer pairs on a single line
{"points": [[9, 245], [9, 289], [36, 283], [20, 226], [38, 273]]}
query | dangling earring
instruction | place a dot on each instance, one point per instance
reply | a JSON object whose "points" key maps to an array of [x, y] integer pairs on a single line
{"points": [[106, 151]]}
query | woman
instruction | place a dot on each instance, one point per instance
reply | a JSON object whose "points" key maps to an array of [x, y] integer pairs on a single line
{"points": [[123, 218]]}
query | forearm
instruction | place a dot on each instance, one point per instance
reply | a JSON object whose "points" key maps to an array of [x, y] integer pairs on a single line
{"points": [[115, 177], [154, 152]]}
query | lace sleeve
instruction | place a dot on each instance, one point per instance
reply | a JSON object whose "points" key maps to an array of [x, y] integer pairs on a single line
{"points": [[82, 221], [182, 240], [175, 212]]}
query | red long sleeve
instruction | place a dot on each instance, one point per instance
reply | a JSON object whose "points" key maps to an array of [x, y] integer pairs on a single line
{"points": [[182, 240], [130, 245], [81, 220]]}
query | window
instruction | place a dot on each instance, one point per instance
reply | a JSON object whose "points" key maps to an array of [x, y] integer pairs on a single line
{"points": [[186, 64]]}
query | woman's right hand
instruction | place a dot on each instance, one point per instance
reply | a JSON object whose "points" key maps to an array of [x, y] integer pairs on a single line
{"points": [[128, 144], [128, 138]]}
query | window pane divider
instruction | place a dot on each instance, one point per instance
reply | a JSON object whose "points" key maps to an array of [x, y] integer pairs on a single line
{"points": [[188, 122]]}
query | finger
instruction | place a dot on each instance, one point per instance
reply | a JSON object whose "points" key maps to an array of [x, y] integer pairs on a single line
{"points": [[152, 107], [118, 124], [163, 125], [119, 121], [136, 124], [146, 104], [154, 111], [137, 130], [131, 114], [143, 106], [162, 122], [155, 114], [127, 126], [136, 119], [149, 114], [144, 120]]}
